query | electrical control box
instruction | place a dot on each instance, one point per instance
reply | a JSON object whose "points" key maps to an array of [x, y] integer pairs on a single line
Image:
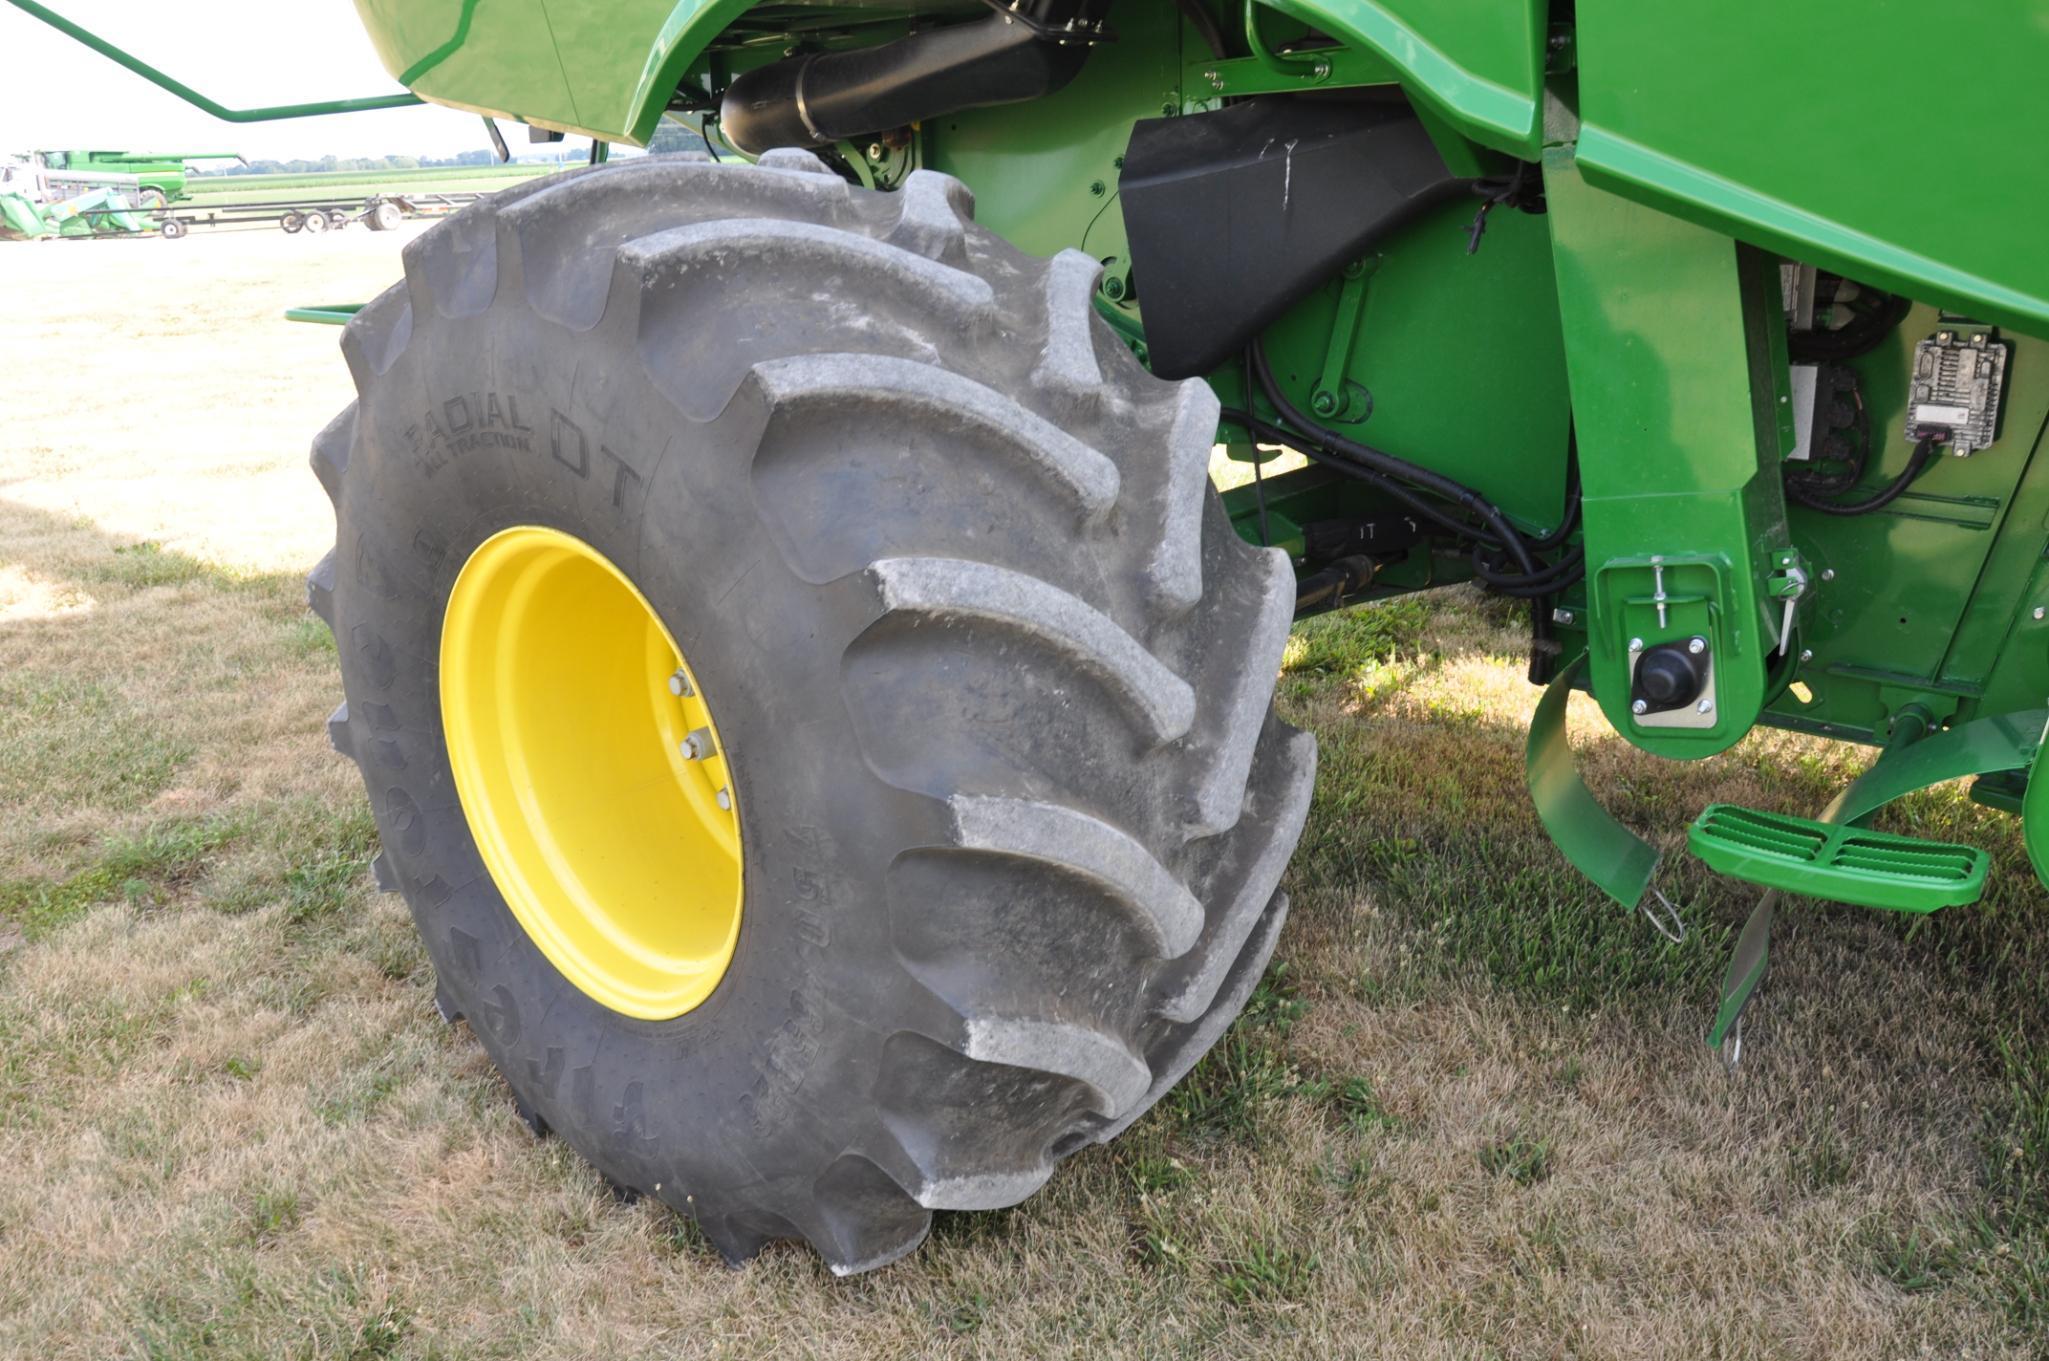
{"points": [[1957, 383]]}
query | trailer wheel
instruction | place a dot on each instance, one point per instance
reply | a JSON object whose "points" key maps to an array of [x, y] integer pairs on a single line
{"points": [[810, 696], [383, 217], [151, 200], [337, 219], [316, 222], [292, 222], [172, 228]]}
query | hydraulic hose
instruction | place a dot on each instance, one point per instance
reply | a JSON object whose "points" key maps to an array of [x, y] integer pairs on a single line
{"points": [[1388, 466]]}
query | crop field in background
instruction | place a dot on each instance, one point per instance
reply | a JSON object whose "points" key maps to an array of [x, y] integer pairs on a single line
{"points": [[222, 190], [1468, 1115]]}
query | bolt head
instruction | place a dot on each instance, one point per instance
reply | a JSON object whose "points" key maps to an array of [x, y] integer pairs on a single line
{"points": [[679, 685], [1113, 288], [1561, 615], [2040, 612], [1696, 645], [876, 151], [1639, 706], [725, 800], [1324, 403], [1636, 644], [1706, 706], [1097, 187], [1828, 574], [1806, 654]]}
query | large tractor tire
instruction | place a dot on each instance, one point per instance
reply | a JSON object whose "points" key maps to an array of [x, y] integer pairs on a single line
{"points": [[810, 696]]}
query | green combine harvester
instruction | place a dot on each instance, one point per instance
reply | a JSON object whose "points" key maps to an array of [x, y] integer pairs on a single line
{"points": [[811, 695], [160, 177]]}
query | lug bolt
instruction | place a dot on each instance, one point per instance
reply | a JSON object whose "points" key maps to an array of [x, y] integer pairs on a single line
{"points": [[698, 746], [725, 800], [679, 686], [1696, 646], [1639, 706], [1706, 706]]}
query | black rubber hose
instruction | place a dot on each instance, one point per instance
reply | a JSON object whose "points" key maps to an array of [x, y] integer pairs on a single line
{"points": [[1387, 465], [1273, 434], [1869, 325], [1924, 454]]}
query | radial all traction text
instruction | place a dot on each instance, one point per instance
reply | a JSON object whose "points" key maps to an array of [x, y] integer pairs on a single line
{"points": [[474, 421]]}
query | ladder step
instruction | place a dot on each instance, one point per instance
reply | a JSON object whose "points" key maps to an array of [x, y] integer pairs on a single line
{"points": [[1846, 864]]}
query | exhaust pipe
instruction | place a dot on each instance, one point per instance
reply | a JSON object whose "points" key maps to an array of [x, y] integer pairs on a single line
{"points": [[813, 101]]}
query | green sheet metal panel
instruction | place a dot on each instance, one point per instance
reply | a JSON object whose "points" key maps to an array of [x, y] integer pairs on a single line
{"points": [[624, 57], [1462, 353], [496, 58], [1479, 64], [1891, 140]]}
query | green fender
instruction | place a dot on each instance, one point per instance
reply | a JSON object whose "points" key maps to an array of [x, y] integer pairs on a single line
{"points": [[599, 68], [1478, 64]]}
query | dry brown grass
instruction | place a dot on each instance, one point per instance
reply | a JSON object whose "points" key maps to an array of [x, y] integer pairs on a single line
{"points": [[1471, 1117]]}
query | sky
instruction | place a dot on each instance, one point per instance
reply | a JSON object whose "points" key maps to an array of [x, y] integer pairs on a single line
{"points": [[56, 94]]}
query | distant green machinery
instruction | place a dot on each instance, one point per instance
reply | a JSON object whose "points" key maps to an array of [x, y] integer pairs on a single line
{"points": [[159, 177], [1718, 334]]}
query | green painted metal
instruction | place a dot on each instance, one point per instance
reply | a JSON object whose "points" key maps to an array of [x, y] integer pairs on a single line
{"points": [[1675, 404], [1615, 858], [1461, 353], [1911, 761], [2035, 810], [270, 113], [1996, 742], [1748, 965], [498, 59], [1478, 63], [162, 171], [96, 212], [325, 314], [1846, 864], [1771, 120]]}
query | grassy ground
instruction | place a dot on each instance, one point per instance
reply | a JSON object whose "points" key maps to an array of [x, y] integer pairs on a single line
{"points": [[1469, 1114]]}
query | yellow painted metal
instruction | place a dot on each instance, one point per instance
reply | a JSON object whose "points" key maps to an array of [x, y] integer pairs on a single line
{"points": [[573, 758]]}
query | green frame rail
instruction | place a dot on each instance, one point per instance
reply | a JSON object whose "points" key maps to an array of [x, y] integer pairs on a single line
{"points": [[268, 114]]}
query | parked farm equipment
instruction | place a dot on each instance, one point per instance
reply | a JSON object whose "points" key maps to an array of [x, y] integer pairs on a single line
{"points": [[159, 177], [810, 695], [36, 202]]}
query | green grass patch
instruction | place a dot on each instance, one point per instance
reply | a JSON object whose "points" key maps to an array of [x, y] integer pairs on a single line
{"points": [[1352, 642], [1267, 1272], [145, 868], [1522, 1160], [81, 743]]}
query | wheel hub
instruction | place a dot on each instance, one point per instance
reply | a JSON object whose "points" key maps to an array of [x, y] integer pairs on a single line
{"points": [[591, 773]]}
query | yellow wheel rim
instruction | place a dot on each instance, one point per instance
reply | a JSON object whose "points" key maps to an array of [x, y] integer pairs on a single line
{"points": [[591, 773]]}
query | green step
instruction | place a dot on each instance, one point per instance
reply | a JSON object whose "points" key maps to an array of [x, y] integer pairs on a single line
{"points": [[1847, 864]]}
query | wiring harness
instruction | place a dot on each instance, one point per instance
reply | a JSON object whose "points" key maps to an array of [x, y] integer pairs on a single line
{"points": [[1505, 559]]}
